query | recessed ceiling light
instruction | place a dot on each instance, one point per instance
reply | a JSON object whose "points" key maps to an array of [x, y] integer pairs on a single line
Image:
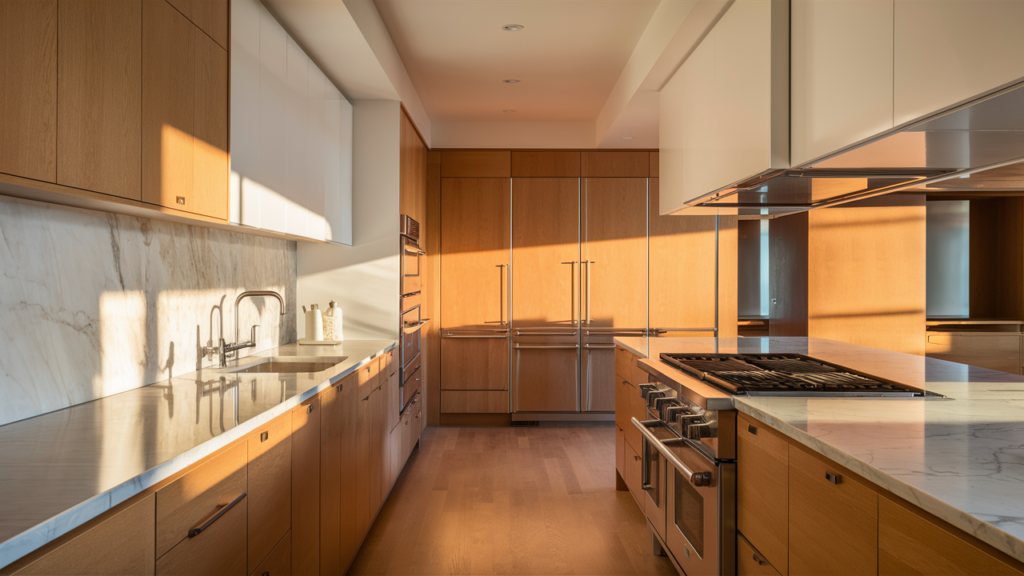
{"points": [[511, 81], [627, 137], [512, 27], [508, 110]]}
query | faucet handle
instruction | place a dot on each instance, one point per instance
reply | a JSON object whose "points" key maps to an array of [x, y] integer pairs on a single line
{"points": [[255, 331]]}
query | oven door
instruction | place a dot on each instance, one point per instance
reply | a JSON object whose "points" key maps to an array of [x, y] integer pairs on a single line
{"points": [[410, 272], [653, 477], [701, 516]]}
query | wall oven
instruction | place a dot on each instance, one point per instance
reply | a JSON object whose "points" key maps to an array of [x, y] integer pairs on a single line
{"points": [[410, 312]]}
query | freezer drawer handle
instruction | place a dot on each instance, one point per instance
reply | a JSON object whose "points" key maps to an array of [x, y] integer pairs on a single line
{"points": [[599, 346], [521, 333]]}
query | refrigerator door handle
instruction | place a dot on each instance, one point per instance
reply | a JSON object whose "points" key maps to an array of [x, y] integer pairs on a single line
{"points": [[501, 294], [572, 293]]}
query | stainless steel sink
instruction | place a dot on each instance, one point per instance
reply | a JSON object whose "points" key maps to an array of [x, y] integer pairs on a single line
{"points": [[289, 365]]}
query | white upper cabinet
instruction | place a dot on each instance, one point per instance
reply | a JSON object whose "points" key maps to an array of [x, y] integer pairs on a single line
{"points": [[725, 112], [291, 134], [949, 51], [841, 74]]}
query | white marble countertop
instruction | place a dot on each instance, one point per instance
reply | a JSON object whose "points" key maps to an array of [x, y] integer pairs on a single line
{"points": [[61, 469], [961, 458]]}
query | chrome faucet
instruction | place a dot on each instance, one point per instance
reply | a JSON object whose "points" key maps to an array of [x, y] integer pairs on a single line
{"points": [[225, 349]]}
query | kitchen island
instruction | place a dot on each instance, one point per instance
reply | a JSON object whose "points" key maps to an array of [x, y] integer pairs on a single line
{"points": [[959, 458], [62, 469]]}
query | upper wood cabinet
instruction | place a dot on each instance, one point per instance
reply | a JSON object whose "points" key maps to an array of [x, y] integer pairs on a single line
{"points": [[599, 164], [28, 88], [210, 188], [545, 163], [949, 51], [412, 177], [168, 106], [99, 102], [841, 74], [476, 164]]}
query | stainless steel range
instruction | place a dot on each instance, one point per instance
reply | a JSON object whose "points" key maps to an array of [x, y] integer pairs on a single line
{"points": [[689, 441]]}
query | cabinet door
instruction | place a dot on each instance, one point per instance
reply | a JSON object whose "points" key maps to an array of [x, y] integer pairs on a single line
{"points": [[90, 553], [211, 152], [338, 177], [273, 134], [620, 449], [762, 490], [546, 252], [211, 16], [749, 562], [614, 252], [364, 454], [475, 252], [632, 476], [270, 486], [168, 106], [833, 519], [332, 405], [306, 488], [296, 138], [840, 95], [981, 49], [350, 472], [279, 561], [474, 363], [316, 142], [909, 543], [378, 447], [28, 88], [100, 98]]}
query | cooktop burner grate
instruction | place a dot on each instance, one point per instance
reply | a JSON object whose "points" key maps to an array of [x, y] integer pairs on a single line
{"points": [[783, 374]]}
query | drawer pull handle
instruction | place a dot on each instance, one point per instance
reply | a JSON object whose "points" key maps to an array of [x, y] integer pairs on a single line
{"points": [[636, 457], [758, 559], [833, 478], [309, 409], [192, 533], [752, 429], [180, 200], [264, 436]]}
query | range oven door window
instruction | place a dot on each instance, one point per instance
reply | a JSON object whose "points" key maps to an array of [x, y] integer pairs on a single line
{"points": [[688, 512]]}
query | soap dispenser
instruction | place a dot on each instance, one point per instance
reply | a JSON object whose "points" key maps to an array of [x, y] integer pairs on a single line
{"points": [[332, 322]]}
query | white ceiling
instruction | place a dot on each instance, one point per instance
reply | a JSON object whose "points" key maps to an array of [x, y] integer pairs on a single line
{"points": [[568, 57]]}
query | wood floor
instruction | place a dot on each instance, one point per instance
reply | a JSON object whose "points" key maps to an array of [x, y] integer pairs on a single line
{"points": [[530, 501]]}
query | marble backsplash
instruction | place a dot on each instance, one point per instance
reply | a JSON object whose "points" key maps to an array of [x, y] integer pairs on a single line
{"points": [[92, 304]]}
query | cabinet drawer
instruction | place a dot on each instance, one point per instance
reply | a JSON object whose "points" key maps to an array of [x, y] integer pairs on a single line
{"points": [[909, 543], [762, 489], [219, 549], [632, 477], [833, 519], [279, 561], [91, 552], [751, 563], [270, 486], [637, 409], [195, 497], [622, 359], [623, 392], [620, 450], [368, 372]]}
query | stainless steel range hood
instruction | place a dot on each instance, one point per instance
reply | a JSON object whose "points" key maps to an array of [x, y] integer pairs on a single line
{"points": [[975, 147]]}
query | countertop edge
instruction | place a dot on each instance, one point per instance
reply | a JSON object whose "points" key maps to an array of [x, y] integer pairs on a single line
{"points": [[963, 520], [47, 531], [625, 342]]}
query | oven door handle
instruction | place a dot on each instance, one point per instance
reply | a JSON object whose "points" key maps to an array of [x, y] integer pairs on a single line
{"points": [[697, 478]]}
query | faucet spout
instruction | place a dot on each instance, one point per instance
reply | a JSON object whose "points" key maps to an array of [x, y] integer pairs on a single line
{"points": [[250, 293]]}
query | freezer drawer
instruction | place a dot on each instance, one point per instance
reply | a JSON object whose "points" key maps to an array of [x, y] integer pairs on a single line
{"points": [[545, 374]]}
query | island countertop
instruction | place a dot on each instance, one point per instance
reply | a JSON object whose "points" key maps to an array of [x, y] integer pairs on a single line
{"points": [[959, 458], [61, 469]]}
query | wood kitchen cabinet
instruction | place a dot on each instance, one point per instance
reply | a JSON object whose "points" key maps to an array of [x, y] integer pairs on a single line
{"points": [[99, 100], [762, 490], [279, 561], [305, 471], [750, 562], [87, 552], [210, 16], [833, 519], [338, 539], [270, 488], [28, 88], [368, 480]]}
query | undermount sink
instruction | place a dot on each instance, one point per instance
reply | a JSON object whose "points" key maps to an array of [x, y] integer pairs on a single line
{"points": [[289, 365]]}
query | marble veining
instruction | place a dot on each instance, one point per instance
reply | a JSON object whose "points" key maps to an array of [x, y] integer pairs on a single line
{"points": [[61, 469], [960, 458], [93, 304]]}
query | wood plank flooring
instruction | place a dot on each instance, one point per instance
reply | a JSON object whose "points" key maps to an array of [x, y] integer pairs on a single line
{"points": [[530, 501]]}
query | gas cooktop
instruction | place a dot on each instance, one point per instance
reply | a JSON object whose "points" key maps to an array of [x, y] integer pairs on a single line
{"points": [[786, 375]]}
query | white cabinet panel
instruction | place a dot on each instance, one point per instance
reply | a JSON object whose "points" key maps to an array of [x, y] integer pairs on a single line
{"points": [[338, 200], [272, 174], [841, 74], [245, 111], [316, 169], [297, 140], [948, 51], [717, 111]]}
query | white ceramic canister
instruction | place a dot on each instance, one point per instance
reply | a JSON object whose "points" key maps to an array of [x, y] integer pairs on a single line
{"points": [[314, 324]]}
